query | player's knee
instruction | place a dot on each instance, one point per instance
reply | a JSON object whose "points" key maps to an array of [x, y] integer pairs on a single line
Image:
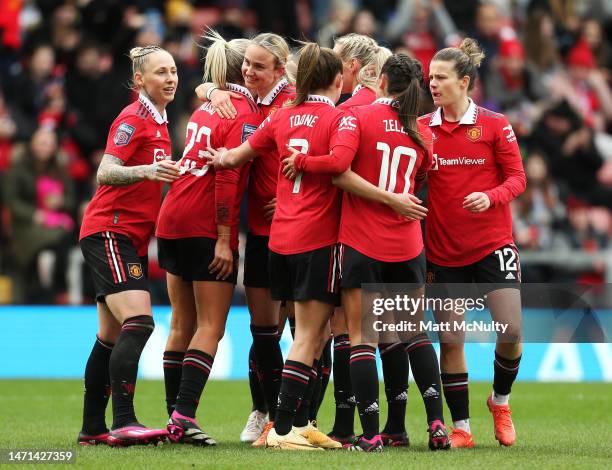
{"points": [[449, 351], [512, 335]]}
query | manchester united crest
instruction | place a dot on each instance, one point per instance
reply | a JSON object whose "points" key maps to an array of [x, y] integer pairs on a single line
{"points": [[474, 133], [135, 270]]}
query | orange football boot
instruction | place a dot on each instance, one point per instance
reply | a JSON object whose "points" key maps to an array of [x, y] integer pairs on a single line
{"points": [[461, 439], [261, 440], [502, 423]]}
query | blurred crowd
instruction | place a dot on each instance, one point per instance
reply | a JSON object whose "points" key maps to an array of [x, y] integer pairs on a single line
{"points": [[64, 76]]}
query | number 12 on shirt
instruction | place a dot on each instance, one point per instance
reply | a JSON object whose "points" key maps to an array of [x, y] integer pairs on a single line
{"points": [[302, 146], [390, 174]]}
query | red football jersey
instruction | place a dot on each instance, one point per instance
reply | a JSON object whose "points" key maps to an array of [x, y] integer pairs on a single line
{"points": [[362, 95], [388, 158], [202, 198], [307, 209], [138, 136], [264, 169], [477, 154]]}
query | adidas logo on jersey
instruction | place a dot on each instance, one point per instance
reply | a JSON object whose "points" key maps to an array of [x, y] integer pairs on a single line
{"points": [[373, 408], [510, 276], [158, 134], [431, 392]]}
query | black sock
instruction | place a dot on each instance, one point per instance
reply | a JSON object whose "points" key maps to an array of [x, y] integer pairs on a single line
{"points": [[97, 388], [326, 365], [291, 321], [364, 378], [173, 367], [313, 407], [426, 373], [295, 378], [303, 411], [344, 422], [196, 369], [269, 360], [456, 395], [123, 367], [505, 373], [257, 394], [395, 373]]}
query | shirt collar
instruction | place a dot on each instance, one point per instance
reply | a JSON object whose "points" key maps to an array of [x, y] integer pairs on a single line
{"points": [[357, 89], [269, 98], [319, 99], [468, 118], [240, 89], [146, 102]]}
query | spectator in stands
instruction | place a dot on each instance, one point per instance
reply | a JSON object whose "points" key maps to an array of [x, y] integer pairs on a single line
{"points": [[488, 31], [514, 87], [338, 25], [594, 36], [40, 199], [537, 215], [568, 145], [423, 27], [584, 87], [29, 91], [365, 23], [538, 211], [540, 42]]}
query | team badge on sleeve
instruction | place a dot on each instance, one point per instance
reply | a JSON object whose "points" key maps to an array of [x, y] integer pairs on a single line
{"points": [[247, 131], [123, 134], [474, 133]]}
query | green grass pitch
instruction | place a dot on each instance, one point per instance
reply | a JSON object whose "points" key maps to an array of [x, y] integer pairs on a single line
{"points": [[558, 426]]}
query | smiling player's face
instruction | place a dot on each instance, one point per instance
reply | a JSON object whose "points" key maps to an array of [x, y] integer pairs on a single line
{"points": [[260, 71], [159, 79]]}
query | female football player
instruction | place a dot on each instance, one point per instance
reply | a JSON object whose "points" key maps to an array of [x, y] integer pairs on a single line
{"points": [[198, 237], [383, 145], [263, 70], [477, 171], [302, 262], [115, 233], [362, 61]]}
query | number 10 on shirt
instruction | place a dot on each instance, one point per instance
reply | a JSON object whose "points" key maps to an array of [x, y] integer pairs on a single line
{"points": [[390, 174]]}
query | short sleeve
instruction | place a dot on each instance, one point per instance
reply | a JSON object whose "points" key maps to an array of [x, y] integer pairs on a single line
{"points": [[124, 136]]}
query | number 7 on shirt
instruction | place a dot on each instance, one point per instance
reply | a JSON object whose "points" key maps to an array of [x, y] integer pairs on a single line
{"points": [[302, 146]]}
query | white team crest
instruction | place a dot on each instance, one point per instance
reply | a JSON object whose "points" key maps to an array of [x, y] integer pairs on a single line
{"points": [[348, 123]]}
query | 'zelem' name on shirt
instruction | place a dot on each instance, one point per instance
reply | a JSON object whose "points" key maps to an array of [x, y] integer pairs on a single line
{"points": [[392, 125]]}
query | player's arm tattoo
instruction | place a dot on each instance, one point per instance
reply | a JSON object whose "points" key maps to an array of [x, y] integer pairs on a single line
{"points": [[112, 172]]}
